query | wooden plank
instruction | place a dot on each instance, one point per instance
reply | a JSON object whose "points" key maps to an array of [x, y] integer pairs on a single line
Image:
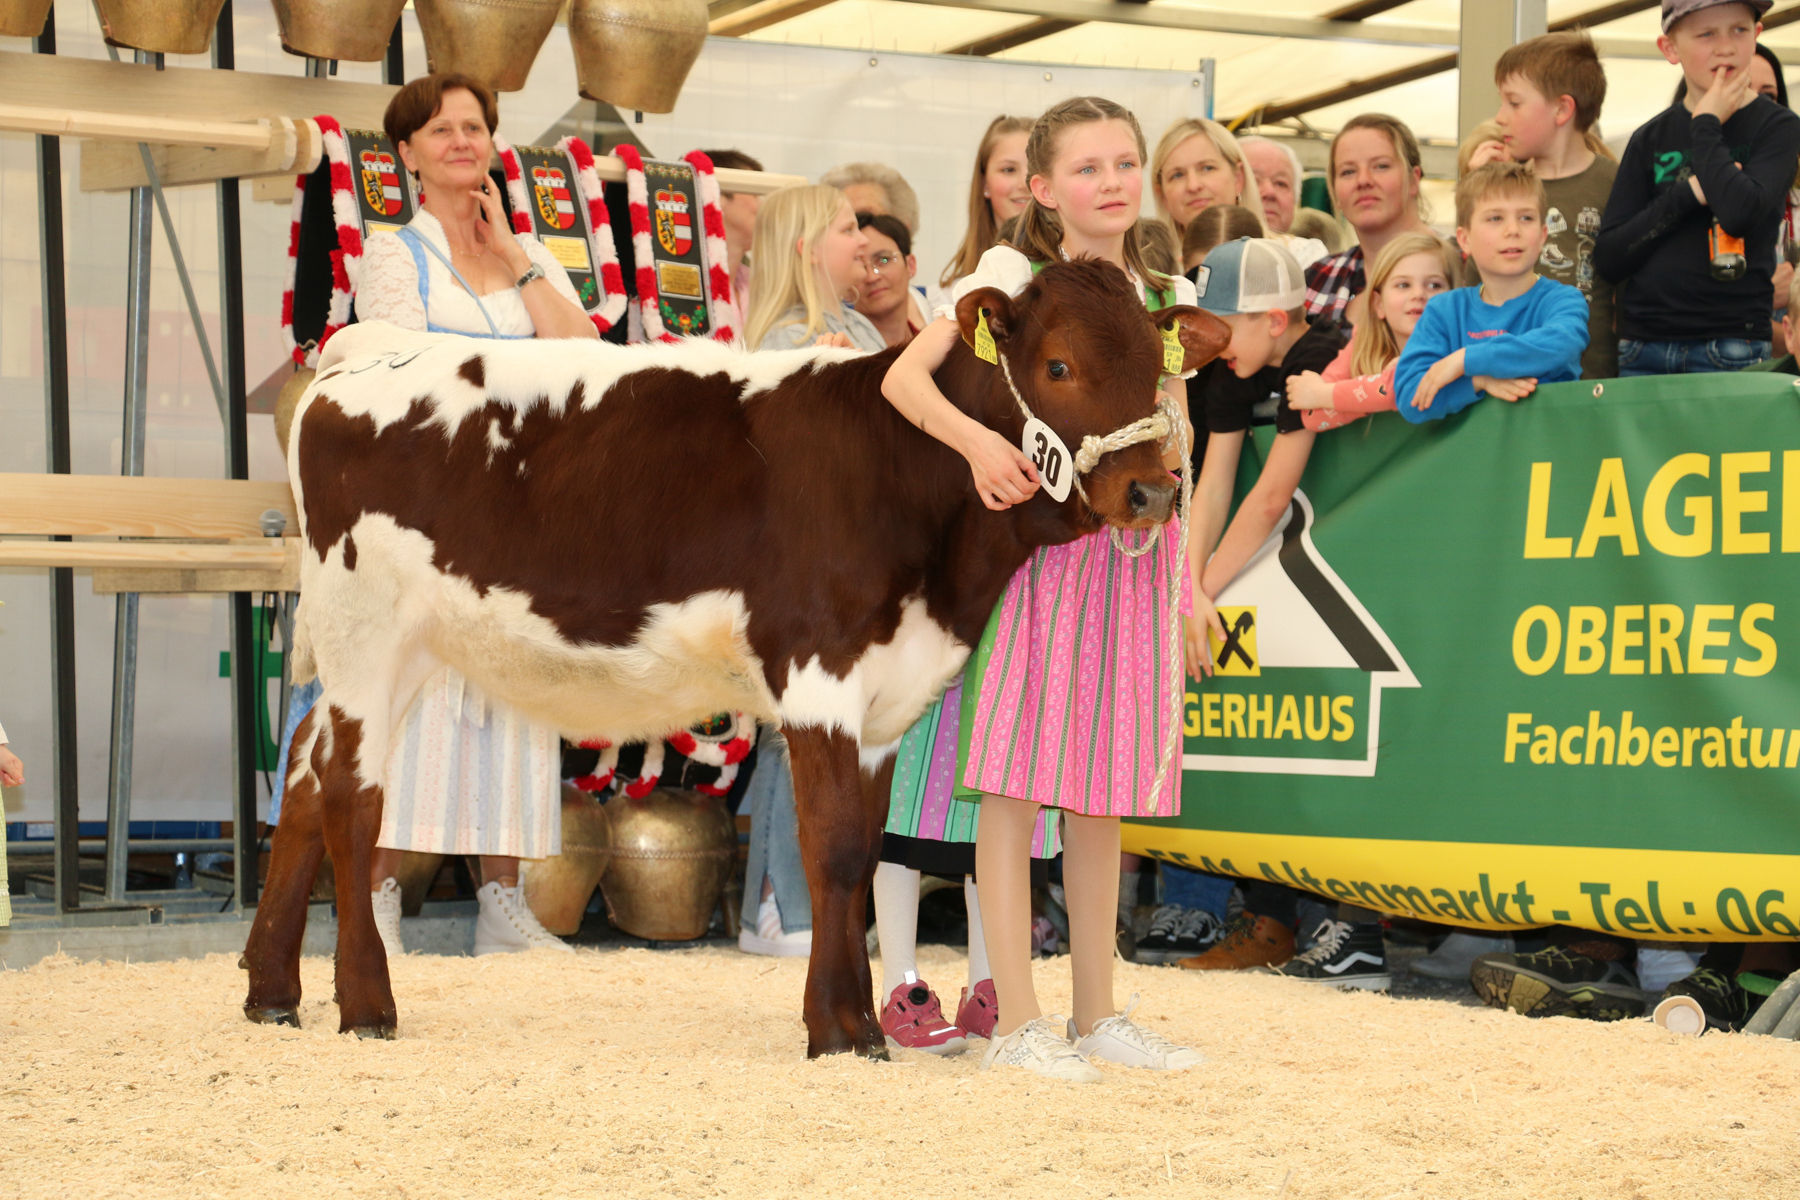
{"points": [[124, 506], [48, 82], [108, 580], [113, 166], [269, 555]]}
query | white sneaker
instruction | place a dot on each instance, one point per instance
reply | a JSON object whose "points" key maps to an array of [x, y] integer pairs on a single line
{"points": [[1038, 1046], [386, 899], [1118, 1040], [767, 938], [506, 923]]}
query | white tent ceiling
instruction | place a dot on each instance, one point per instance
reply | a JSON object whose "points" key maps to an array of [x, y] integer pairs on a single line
{"points": [[1253, 70]]}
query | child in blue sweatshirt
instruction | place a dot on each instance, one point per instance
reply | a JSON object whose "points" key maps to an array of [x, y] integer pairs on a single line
{"points": [[1510, 334]]}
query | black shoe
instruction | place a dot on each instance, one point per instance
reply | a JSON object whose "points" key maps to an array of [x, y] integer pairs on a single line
{"points": [[1342, 956], [1557, 982], [1176, 933], [1723, 1001]]}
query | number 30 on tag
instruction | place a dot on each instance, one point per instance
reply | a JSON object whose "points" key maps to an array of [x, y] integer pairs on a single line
{"points": [[1055, 465]]}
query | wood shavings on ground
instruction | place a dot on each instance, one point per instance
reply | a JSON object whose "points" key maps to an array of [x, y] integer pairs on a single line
{"points": [[641, 1073]]}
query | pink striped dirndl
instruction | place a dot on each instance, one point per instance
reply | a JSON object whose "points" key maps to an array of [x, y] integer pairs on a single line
{"points": [[1073, 709]]}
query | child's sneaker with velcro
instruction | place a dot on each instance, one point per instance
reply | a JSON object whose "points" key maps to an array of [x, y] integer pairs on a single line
{"points": [[914, 1020], [1122, 1041], [1039, 1047]]}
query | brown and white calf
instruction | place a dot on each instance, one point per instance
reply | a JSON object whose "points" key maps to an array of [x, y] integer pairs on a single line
{"points": [[621, 541]]}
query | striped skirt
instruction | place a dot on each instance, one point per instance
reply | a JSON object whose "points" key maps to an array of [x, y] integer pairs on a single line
{"points": [[1071, 701], [923, 803], [467, 775]]}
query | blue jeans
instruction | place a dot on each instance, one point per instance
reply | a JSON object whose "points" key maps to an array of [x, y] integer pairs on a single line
{"points": [[1688, 358], [775, 837], [1187, 888]]}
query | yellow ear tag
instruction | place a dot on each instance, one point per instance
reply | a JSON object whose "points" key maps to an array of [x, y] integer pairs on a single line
{"points": [[1173, 353], [985, 349]]}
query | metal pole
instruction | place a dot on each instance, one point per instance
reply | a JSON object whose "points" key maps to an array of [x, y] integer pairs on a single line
{"points": [[131, 462], [245, 679], [1487, 30], [67, 848]]}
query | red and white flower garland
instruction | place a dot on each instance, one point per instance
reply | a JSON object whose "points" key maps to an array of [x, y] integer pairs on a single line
{"points": [[346, 259], [613, 297], [718, 272], [725, 754], [637, 194]]}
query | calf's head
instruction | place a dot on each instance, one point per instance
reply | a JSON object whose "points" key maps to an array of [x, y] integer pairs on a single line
{"points": [[1085, 358]]}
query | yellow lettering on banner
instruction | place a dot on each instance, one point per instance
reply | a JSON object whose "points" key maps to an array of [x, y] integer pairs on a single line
{"points": [[1209, 716], [1287, 723], [1713, 753], [1609, 512], [1515, 734], [1587, 640], [1662, 538], [1190, 714], [1702, 637], [1234, 715], [1634, 742], [1543, 745], [1262, 715], [1344, 724], [1734, 502], [1757, 639], [1666, 621], [1537, 614], [1318, 731], [1625, 638], [1596, 735], [1538, 542], [1790, 501], [1663, 746], [1568, 754]]}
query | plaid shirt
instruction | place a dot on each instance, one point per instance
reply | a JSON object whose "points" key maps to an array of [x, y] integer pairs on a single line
{"points": [[1331, 283]]}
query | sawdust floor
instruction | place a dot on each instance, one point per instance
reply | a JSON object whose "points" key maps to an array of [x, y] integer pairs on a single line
{"points": [[639, 1073]]}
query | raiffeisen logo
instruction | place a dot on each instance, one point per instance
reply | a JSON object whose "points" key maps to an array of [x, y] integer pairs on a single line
{"points": [[1297, 682]]}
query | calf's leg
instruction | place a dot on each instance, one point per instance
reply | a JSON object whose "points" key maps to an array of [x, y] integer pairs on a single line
{"points": [[834, 844], [352, 821], [272, 953]]}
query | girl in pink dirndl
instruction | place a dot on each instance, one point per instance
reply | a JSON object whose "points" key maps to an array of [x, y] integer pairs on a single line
{"points": [[1067, 699]]}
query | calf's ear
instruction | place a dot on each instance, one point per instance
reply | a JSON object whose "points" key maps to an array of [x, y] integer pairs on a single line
{"points": [[991, 301], [1203, 335]]}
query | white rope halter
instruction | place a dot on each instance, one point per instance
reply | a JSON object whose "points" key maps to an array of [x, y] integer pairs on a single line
{"points": [[1165, 425]]}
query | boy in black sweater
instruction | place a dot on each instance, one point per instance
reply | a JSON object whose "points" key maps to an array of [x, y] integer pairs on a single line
{"points": [[1690, 227]]}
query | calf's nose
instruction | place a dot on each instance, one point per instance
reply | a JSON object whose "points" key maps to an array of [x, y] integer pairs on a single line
{"points": [[1152, 500]]}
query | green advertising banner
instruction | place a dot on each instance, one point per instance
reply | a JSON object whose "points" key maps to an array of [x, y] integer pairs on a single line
{"points": [[1521, 667]]}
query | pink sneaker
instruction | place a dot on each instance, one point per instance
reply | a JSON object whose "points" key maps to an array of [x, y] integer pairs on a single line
{"points": [[914, 1020], [978, 1010]]}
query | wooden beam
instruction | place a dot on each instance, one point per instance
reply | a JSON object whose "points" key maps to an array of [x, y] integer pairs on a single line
{"points": [[139, 506], [735, 20], [1362, 9], [1215, 20], [109, 166], [185, 581], [1006, 39], [1424, 69], [267, 554]]}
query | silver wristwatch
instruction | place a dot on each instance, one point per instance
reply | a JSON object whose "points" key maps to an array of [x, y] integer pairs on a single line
{"points": [[536, 272]]}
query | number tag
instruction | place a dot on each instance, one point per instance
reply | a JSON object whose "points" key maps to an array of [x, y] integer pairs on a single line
{"points": [[1055, 465], [1173, 354]]}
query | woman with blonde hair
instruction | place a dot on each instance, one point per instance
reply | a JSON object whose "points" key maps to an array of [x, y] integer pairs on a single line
{"points": [[997, 192], [807, 250], [1197, 164]]}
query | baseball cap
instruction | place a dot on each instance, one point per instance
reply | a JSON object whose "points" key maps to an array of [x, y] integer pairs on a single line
{"points": [[1250, 275], [1674, 10]]}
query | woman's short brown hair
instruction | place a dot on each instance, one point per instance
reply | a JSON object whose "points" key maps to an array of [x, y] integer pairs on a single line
{"points": [[419, 101]]}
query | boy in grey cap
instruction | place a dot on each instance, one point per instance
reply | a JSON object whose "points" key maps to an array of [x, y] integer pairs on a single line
{"points": [[1695, 210]]}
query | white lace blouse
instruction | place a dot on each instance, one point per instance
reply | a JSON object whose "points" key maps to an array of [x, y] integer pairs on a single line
{"points": [[388, 289]]}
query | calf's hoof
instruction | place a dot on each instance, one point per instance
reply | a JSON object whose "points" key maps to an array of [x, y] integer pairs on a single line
{"points": [[273, 1014], [384, 1033]]}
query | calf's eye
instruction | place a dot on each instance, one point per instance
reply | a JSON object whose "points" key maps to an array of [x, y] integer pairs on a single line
{"points": [[1058, 368]]}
